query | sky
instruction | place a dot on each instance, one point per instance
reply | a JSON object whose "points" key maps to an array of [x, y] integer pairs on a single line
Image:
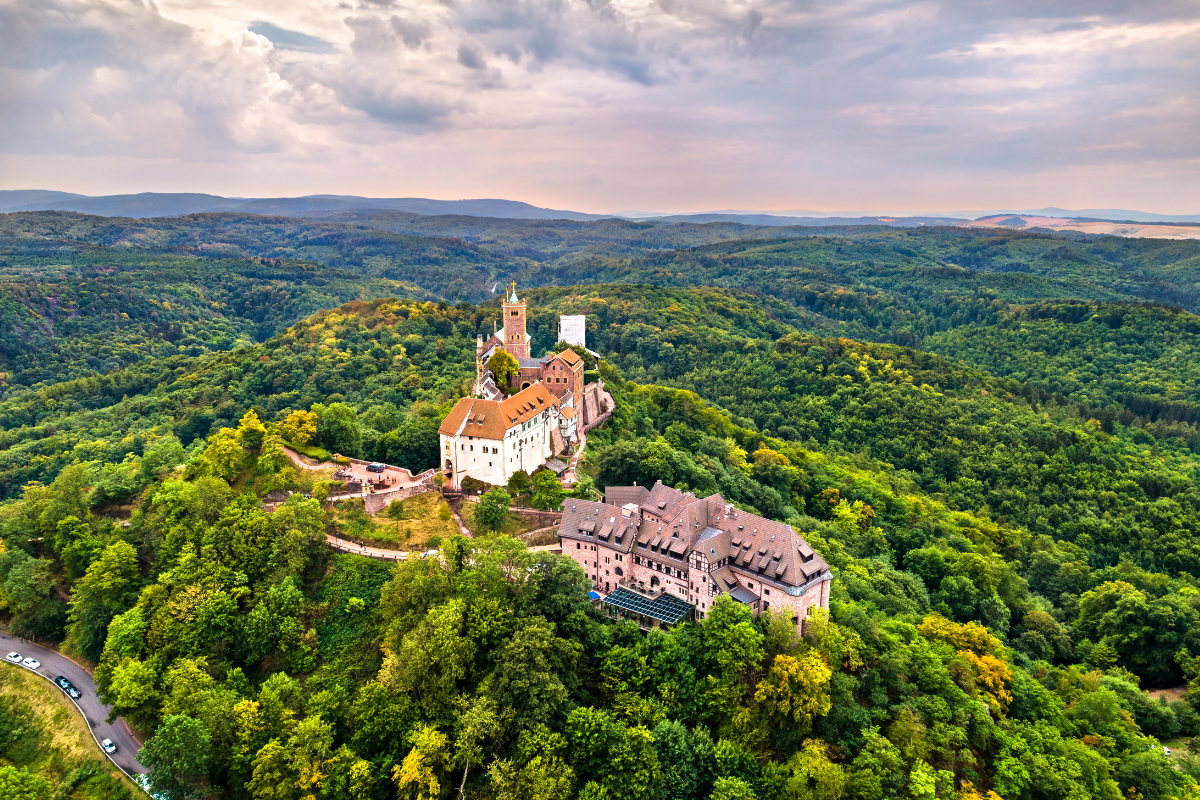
{"points": [[611, 105]]}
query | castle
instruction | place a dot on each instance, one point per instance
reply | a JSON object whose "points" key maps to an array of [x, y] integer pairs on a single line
{"points": [[491, 435], [661, 556]]}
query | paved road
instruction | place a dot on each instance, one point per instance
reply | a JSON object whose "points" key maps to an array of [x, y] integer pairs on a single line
{"points": [[94, 712]]}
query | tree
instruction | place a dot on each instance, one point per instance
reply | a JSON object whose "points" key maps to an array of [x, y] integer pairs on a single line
{"points": [[547, 491], [272, 460], [795, 691], [529, 670], [273, 777], [312, 753], [418, 777], [166, 453], [732, 789], [518, 483], [251, 431], [177, 757], [813, 776], [477, 722], [381, 720], [224, 455], [24, 580], [504, 367], [106, 589], [299, 427], [492, 510], [633, 765], [413, 445], [338, 429], [19, 784], [132, 692]]}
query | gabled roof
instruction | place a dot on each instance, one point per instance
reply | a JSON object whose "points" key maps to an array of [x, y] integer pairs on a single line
{"points": [[663, 501], [489, 419], [620, 495], [570, 356], [757, 549]]}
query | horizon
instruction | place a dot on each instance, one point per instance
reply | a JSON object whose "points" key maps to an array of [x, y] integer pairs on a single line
{"points": [[966, 215], [918, 109]]}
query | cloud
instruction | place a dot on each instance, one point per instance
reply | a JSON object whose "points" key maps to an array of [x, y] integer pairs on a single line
{"points": [[470, 57], [734, 100], [290, 40]]}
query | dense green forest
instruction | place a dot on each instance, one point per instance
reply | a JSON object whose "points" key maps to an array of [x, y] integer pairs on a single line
{"points": [[1011, 512], [884, 283], [1140, 359], [78, 311]]}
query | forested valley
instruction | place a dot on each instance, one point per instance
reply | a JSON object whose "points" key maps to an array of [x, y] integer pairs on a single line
{"points": [[990, 436]]}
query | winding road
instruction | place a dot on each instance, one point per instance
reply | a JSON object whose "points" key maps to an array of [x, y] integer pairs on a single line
{"points": [[94, 712]]}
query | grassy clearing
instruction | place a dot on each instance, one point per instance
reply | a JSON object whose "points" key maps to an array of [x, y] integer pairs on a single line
{"points": [[315, 453], [514, 525], [426, 517], [48, 737]]}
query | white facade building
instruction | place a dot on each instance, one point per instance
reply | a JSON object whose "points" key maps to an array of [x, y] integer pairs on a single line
{"points": [[490, 440]]}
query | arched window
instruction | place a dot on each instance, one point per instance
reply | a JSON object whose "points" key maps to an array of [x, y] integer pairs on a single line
{"points": [[619, 572], [654, 580]]}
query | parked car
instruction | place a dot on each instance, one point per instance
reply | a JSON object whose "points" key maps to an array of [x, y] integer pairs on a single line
{"points": [[1167, 750], [376, 467], [109, 746], [32, 663], [15, 658], [68, 687]]}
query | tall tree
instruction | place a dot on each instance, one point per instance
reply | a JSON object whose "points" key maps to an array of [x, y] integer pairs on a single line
{"points": [[177, 758]]}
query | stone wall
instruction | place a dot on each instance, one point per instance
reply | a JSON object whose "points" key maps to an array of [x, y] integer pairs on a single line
{"points": [[379, 501], [540, 519]]}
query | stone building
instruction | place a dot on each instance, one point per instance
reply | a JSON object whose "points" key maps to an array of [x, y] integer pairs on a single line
{"points": [[661, 556], [561, 373], [490, 440]]}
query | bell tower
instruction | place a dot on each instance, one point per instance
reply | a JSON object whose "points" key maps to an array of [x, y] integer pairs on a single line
{"points": [[516, 340]]}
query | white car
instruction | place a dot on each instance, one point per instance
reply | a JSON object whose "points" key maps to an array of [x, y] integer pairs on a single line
{"points": [[14, 658], [1167, 750], [32, 663], [108, 746]]}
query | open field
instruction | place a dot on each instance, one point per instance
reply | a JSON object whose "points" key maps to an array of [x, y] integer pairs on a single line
{"points": [[425, 516], [515, 525]]}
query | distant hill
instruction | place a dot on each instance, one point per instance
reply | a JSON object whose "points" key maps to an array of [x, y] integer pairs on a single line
{"points": [[156, 204], [771, 219]]}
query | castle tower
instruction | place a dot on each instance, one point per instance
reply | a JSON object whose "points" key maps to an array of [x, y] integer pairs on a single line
{"points": [[516, 340]]}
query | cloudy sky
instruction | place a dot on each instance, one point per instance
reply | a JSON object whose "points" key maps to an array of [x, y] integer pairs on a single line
{"points": [[611, 105]]}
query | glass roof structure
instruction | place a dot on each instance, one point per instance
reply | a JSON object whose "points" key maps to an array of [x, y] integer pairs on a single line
{"points": [[665, 608]]}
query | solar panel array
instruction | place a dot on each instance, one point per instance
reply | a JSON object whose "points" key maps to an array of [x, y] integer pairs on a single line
{"points": [[665, 608]]}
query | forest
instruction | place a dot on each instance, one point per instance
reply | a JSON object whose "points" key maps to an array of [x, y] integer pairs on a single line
{"points": [[998, 458]]}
